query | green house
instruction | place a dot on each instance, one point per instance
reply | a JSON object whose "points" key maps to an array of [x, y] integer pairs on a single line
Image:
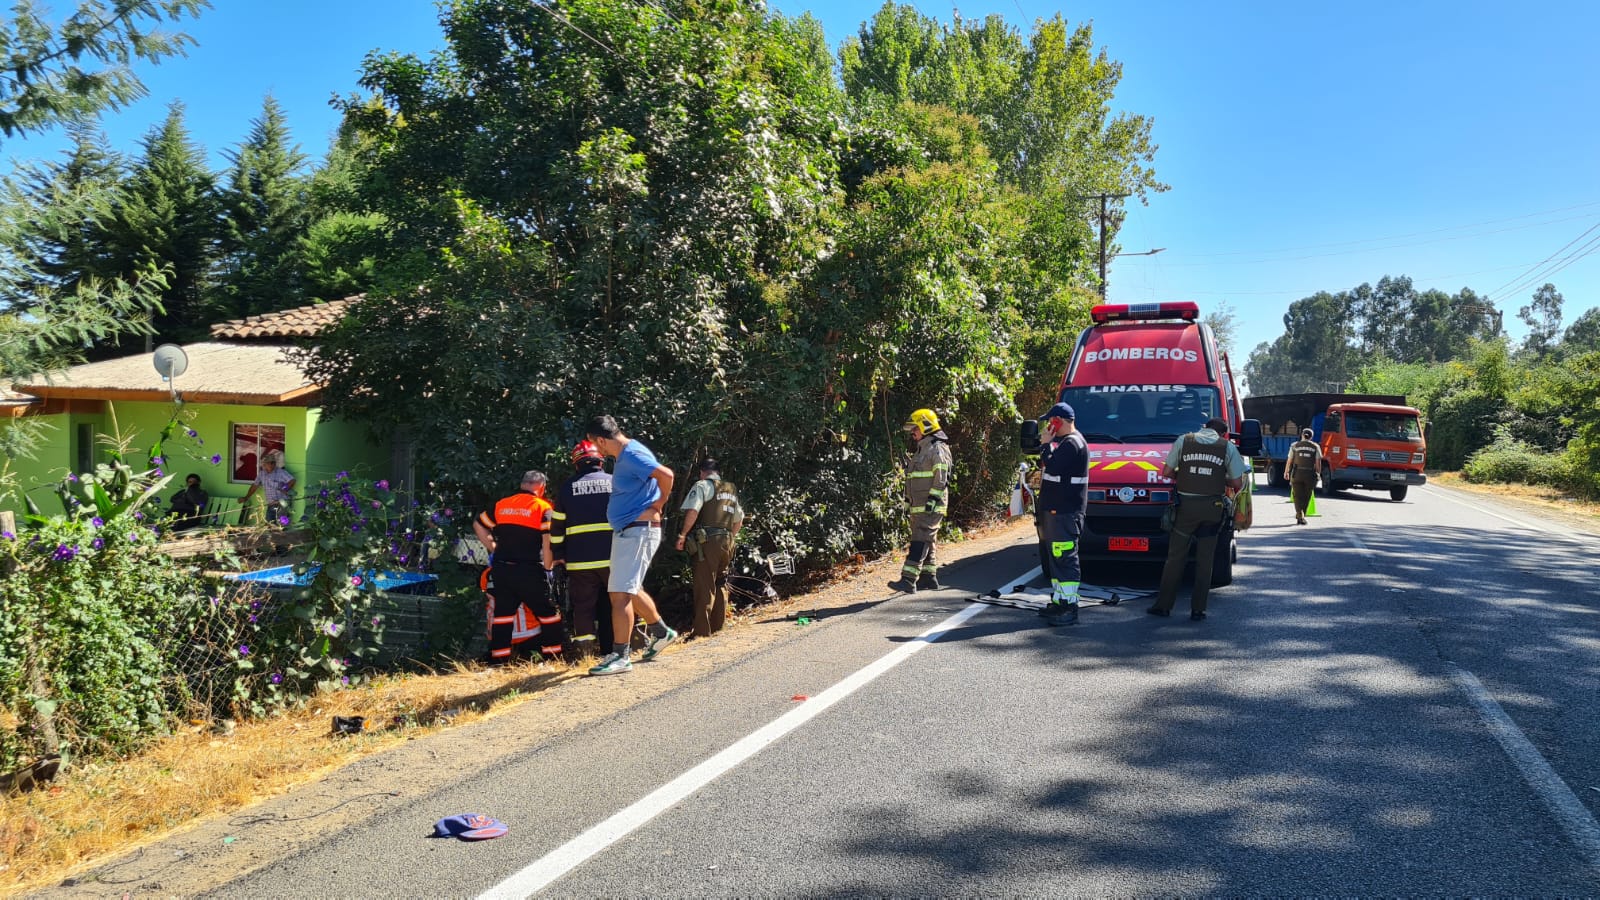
{"points": [[241, 396]]}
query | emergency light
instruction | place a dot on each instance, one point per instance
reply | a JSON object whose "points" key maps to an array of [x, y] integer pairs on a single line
{"points": [[1127, 312]]}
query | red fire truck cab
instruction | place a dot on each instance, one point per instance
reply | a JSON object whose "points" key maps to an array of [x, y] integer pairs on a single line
{"points": [[1141, 376]]}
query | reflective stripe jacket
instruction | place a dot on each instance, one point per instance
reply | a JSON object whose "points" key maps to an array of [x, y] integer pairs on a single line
{"points": [[929, 475], [519, 523], [580, 534], [1064, 486]]}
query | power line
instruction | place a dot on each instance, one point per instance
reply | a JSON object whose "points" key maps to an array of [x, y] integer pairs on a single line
{"points": [[1540, 264]]}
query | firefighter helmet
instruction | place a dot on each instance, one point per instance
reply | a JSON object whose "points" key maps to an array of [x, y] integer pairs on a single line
{"points": [[585, 449], [924, 419]]}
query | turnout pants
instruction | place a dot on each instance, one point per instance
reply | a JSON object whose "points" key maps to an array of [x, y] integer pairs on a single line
{"points": [[1062, 534], [1301, 488], [522, 611], [1198, 522], [591, 605], [711, 583], [920, 560]]}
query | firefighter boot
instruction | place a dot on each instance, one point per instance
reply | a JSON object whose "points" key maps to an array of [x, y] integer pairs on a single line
{"points": [[903, 585], [1068, 615], [929, 581]]}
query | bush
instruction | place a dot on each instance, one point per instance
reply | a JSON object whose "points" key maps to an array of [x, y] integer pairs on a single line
{"points": [[1462, 425], [1512, 461]]}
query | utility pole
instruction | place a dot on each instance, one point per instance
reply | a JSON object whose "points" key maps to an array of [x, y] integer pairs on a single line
{"points": [[1103, 198]]}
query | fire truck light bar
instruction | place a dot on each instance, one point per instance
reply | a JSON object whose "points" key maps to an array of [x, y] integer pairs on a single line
{"points": [[1123, 312]]}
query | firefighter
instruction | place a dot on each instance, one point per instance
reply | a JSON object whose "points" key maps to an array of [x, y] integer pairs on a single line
{"points": [[516, 534], [926, 483], [712, 518], [1305, 461], [580, 542], [1203, 466], [1048, 442], [1064, 497]]}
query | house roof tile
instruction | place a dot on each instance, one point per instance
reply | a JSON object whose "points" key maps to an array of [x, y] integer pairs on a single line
{"points": [[300, 322], [251, 374]]}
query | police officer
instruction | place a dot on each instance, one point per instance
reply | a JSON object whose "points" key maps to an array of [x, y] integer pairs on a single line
{"points": [[514, 532], [1203, 465], [580, 543], [712, 518], [1064, 498], [926, 483], [1305, 461]]}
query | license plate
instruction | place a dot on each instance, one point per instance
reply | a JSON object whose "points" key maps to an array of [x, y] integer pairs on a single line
{"points": [[1130, 544], [1395, 476]]}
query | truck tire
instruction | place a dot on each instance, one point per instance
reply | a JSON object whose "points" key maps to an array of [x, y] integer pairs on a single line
{"points": [[1327, 481], [1222, 562], [1398, 493], [1275, 475]]}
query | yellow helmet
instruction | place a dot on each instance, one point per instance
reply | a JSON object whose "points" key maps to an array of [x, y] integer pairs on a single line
{"points": [[924, 419]]}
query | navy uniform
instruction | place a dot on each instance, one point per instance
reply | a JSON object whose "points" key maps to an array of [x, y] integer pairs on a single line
{"points": [[580, 541], [1064, 497], [1039, 513]]}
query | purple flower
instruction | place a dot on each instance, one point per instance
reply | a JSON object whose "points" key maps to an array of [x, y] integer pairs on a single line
{"points": [[343, 476], [8, 535], [276, 678], [345, 679], [244, 650], [158, 473], [97, 522], [216, 459], [333, 629], [191, 432], [323, 493], [448, 512], [355, 527], [355, 580], [214, 601], [138, 517], [98, 543], [157, 461], [72, 478], [284, 521], [321, 505], [383, 485], [252, 619], [377, 505], [64, 553], [376, 620]]}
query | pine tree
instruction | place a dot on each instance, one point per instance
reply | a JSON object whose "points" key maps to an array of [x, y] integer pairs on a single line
{"points": [[62, 207], [266, 209], [169, 216]]}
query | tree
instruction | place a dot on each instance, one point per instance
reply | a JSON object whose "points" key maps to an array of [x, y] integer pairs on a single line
{"points": [[1224, 323], [265, 204], [60, 208], [168, 217], [1542, 315], [1316, 350], [1583, 335], [71, 70]]}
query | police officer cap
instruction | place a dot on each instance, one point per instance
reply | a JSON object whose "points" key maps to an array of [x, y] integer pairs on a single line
{"points": [[1061, 411], [1305, 433]]}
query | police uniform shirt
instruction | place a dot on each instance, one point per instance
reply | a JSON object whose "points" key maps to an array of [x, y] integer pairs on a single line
{"points": [[1235, 464], [1064, 487], [519, 523], [579, 533]]}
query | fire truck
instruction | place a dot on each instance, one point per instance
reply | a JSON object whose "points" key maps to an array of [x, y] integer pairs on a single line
{"points": [[1141, 376]]}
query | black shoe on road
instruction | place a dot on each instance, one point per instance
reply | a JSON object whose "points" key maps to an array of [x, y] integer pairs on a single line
{"points": [[1158, 611], [903, 586], [929, 583], [1068, 615], [1196, 616]]}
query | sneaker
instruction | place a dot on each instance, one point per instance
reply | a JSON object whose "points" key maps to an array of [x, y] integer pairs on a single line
{"points": [[656, 645], [903, 586], [613, 664]]}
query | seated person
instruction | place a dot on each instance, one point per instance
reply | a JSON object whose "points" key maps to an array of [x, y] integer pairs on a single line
{"points": [[188, 504]]}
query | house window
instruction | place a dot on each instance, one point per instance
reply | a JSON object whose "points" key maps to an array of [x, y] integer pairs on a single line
{"points": [[249, 443], [85, 453]]}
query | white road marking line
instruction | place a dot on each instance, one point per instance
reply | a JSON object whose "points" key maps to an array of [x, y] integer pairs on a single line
{"points": [[1365, 550], [558, 862], [1563, 804], [1489, 512]]}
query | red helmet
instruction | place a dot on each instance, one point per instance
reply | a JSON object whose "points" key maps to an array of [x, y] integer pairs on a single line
{"points": [[585, 449]]}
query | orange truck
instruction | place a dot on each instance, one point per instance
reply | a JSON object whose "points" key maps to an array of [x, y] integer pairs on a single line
{"points": [[1369, 441]]}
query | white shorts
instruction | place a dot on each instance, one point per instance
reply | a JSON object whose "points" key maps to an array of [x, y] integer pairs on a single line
{"points": [[632, 548]]}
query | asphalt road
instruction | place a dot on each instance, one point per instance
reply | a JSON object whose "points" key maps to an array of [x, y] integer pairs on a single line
{"points": [[1400, 698]]}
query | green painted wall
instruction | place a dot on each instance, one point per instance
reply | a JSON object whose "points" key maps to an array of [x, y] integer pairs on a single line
{"points": [[314, 450]]}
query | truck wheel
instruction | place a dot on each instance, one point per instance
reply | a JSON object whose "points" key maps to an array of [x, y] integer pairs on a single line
{"points": [[1222, 562], [1327, 482], [1398, 493], [1275, 475]]}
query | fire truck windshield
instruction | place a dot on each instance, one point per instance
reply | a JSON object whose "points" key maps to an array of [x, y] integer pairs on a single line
{"points": [[1142, 412]]}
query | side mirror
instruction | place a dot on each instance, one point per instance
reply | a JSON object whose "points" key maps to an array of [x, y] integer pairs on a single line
{"points": [[1250, 437], [1029, 438]]}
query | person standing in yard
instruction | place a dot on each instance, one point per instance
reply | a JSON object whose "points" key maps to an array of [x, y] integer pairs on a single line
{"points": [[1064, 498], [640, 486], [580, 540], [712, 518], [1301, 469], [1203, 466], [516, 534], [189, 503], [275, 484], [927, 479]]}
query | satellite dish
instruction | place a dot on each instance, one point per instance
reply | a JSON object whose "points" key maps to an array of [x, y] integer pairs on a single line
{"points": [[171, 361]]}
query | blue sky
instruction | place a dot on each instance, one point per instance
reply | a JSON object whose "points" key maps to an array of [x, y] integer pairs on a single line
{"points": [[1309, 146]]}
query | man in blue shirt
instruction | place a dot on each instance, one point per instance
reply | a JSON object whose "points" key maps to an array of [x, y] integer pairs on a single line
{"points": [[640, 486]]}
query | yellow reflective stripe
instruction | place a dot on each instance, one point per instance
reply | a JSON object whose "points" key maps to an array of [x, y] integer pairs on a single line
{"points": [[585, 566], [589, 529], [558, 516], [917, 509], [936, 492], [927, 474], [557, 539]]}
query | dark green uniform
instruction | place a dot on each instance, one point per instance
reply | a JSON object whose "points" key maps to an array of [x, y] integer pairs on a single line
{"points": [[1305, 461], [1201, 479]]}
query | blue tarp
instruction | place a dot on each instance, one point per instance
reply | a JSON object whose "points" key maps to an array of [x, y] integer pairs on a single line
{"points": [[393, 582]]}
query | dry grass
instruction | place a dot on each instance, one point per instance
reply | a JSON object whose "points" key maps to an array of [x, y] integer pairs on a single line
{"points": [[117, 805], [1548, 498]]}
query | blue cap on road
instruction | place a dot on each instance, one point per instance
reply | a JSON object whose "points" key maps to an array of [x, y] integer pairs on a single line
{"points": [[1061, 411]]}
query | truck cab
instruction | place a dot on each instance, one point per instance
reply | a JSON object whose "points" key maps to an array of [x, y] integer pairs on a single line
{"points": [[1140, 377], [1372, 446]]}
